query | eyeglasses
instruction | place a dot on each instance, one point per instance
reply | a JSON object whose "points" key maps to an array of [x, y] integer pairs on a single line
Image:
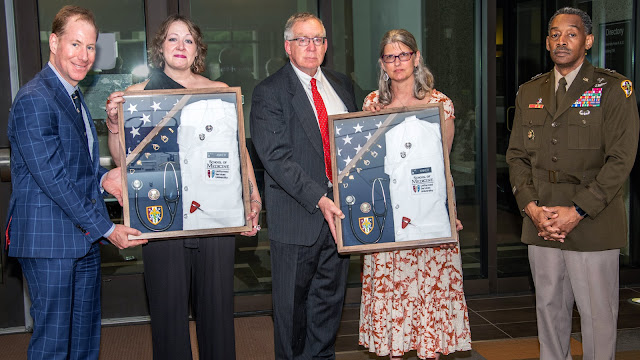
{"points": [[304, 41], [392, 58]]}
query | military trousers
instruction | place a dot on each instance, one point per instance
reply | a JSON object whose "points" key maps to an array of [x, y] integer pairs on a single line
{"points": [[591, 280]]}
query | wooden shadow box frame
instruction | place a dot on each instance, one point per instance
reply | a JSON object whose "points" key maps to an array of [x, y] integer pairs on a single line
{"points": [[184, 162], [392, 180]]}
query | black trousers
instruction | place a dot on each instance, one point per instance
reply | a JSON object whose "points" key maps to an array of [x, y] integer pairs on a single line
{"points": [[200, 270], [308, 288]]}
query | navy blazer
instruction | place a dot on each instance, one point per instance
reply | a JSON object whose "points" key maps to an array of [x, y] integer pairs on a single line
{"points": [[285, 133], [57, 209]]}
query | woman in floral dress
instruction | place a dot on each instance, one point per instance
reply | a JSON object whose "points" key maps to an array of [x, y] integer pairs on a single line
{"points": [[412, 299]]}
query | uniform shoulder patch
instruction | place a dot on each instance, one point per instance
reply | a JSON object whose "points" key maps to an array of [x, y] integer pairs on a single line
{"points": [[627, 87]]}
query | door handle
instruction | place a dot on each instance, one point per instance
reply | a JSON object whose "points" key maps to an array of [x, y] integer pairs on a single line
{"points": [[5, 164]]}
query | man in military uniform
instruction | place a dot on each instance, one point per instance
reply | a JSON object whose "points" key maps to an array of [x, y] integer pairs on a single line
{"points": [[573, 145]]}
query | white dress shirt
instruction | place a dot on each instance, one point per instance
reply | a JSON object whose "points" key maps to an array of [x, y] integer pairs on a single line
{"points": [[331, 100]]}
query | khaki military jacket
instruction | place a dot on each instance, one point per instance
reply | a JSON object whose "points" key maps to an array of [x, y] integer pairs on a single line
{"points": [[577, 152]]}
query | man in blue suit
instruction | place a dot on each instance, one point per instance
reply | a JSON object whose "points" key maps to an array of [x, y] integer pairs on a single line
{"points": [[57, 214]]}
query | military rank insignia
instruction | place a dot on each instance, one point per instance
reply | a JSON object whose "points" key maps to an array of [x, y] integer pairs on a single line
{"points": [[590, 98], [537, 105], [154, 214], [627, 87]]}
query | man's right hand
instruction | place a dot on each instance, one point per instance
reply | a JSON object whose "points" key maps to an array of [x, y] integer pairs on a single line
{"points": [[120, 237], [330, 211], [539, 216]]}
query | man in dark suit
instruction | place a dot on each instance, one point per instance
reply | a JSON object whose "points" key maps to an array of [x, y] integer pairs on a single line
{"points": [[57, 214], [290, 132], [573, 144]]}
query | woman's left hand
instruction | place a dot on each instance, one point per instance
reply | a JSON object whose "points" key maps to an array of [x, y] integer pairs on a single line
{"points": [[254, 218], [451, 245]]}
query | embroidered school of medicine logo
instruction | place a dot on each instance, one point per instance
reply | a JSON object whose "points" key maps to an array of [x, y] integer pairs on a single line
{"points": [[416, 188], [366, 224], [154, 214]]}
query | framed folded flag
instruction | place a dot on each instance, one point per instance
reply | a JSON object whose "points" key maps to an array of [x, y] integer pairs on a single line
{"points": [[183, 159], [392, 179]]}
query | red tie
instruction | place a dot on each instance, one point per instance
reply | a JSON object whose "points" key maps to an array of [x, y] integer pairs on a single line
{"points": [[323, 121]]}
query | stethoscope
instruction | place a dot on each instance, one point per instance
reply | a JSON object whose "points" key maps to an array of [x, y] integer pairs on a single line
{"points": [[137, 185], [380, 218]]}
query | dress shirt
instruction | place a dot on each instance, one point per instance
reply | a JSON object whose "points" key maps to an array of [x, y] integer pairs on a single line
{"points": [[569, 77], [331, 100]]}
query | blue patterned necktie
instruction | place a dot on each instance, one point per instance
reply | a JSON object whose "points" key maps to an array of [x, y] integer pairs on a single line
{"points": [[76, 100]]}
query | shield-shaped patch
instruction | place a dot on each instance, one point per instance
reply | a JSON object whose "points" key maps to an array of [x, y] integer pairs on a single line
{"points": [[366, 224], [154, 214]]}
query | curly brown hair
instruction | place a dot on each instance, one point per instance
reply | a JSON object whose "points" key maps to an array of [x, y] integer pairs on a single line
{"points": [[156, 58]]}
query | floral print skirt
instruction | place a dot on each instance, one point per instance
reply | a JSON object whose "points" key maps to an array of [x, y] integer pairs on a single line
{"points": [[414, 300]]}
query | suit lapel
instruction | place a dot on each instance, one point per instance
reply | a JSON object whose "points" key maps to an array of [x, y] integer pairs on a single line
{"points": [[304, 110], [66, 105], [584, 81], [343, 93]]}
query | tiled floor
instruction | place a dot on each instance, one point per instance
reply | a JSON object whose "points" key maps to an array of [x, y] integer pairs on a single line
{"points": [[502, 328], [501, 318]]}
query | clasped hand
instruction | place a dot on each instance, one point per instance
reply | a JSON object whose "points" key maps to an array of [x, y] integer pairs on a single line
{"points": [[553, 222]]}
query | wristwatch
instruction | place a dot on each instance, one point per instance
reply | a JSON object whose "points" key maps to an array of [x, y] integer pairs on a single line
{"points": [[580, 211]]}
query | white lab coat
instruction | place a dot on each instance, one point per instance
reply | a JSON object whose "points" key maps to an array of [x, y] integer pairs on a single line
{"points": [[417, 181], [210, 167]]}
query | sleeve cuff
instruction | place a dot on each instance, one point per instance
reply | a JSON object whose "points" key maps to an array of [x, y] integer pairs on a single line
{"points": [[110, 231], [101, 188]]}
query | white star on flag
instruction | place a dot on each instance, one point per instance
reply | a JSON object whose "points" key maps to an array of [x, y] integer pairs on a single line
{"points": [[338, 130], [155, 106], [358, 148], [145, 119], [135, 131], [339, 152], [132, 108], [379, 124], [347, 160], [368, 137], [358, 128], [347, 140]]}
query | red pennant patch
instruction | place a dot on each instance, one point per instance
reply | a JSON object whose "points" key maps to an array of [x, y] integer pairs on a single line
{"points": [[194, 206], [405, 221]]}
